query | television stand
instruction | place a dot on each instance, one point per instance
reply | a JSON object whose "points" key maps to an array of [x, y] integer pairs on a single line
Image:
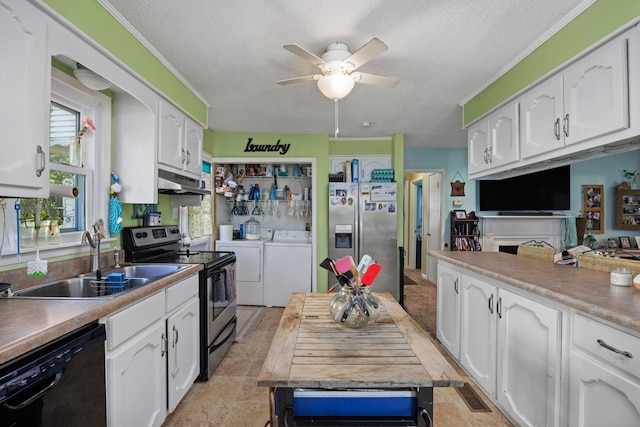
{"points": [[525, 213]]}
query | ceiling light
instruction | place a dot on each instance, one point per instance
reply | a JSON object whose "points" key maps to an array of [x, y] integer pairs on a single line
{"points": [[91, 79], [336, 85]]}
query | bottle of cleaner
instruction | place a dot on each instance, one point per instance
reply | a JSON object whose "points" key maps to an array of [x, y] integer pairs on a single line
{"points": [[355, 171]]}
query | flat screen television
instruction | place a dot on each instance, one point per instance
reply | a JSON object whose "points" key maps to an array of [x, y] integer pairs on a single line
{"points": [[537, 192]]}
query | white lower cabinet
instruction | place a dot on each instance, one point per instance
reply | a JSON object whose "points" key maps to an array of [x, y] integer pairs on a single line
{"points": [[448, 309], [478, 332], [529, 360], [604, 375], [136, 380], [509, 344], [152, 355], [184, 360]]}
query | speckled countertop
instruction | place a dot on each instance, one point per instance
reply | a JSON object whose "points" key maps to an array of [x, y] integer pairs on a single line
{"points": [[29, 323], [585, 290]]}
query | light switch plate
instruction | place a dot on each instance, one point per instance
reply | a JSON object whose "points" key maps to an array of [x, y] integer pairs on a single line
{"points": [[457, 203]]}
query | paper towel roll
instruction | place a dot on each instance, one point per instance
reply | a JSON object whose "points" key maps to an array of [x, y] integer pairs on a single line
{"points": [[226, 233], [63, 190]]}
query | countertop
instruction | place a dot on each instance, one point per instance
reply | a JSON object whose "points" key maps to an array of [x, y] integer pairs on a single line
{"points": [[29, 323], [579, 288], [311, 350]]}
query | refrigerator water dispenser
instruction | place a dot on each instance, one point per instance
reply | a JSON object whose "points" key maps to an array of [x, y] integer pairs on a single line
{"points": [[344, 236]]}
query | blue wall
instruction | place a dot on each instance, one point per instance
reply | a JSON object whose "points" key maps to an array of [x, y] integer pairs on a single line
{"points": [[605, 171]]}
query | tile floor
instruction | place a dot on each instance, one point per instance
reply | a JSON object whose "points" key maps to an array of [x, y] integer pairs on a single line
{"points": [[232, 398]]}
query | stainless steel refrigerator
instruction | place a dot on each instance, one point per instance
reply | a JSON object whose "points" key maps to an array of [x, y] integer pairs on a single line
{"points": [[363, 220]]}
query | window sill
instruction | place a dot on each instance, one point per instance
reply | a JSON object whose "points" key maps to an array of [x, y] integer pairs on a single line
{"points": [[63, 249]]}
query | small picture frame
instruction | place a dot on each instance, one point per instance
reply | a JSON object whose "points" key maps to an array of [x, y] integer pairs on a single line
{"points": [[625, 242], [460, 213], [638, 242]]}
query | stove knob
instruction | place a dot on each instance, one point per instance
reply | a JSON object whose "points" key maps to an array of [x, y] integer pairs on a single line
{"points": [[138, 235]]}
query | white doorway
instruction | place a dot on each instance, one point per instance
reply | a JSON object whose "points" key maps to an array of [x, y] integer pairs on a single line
{"points": [[424, 231]]}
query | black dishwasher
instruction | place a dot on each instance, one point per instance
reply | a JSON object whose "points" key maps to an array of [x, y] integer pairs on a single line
{"points": [[61, 383]]}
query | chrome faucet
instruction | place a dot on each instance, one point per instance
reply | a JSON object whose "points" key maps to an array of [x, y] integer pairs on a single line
{"points": [[93, 239]]}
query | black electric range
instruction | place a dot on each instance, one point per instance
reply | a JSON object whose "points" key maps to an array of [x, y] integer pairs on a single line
{"points": [[218, 322]]}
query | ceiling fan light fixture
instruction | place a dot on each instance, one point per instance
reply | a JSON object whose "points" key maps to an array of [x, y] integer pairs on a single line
{"points": [[336, 85], [91, 79]]}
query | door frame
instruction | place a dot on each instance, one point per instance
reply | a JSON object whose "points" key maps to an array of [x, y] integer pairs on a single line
{"points": [[434, 241]]}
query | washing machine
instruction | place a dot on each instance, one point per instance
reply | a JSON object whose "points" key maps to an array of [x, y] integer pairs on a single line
{"points": [[287, 266], [249, 266]]}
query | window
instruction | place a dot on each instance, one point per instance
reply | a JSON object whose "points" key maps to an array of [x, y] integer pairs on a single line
{"points": [[78, 157]]}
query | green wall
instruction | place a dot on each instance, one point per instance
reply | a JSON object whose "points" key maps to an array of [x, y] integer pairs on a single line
{"points": [[90, 17], [596, 22]]}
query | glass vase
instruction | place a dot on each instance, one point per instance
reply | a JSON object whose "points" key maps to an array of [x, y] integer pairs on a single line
{"points": [[354, 306]]}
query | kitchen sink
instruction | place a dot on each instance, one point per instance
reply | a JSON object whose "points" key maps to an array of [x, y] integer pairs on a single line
{"points": [[81, 287], [87, 285]]}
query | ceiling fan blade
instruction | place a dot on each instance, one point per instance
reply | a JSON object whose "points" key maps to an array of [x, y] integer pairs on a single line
{"points": [[375, 79], [299, 79], [367, 52], [304, 54]]}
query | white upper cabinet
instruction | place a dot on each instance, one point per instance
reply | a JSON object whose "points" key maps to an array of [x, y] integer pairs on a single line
{"points": [[567, 116], [596, 93], [179, 141], [25, 88], [478, 147], [588, 100], [494, 141], [541, 123]]}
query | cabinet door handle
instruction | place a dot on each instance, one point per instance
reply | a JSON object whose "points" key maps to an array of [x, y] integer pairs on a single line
{"points": [[42, 157], [175, 336], [490, 154], [556, 128], [485, 156], [184, 157], [499, 307], [491, 303], [188, 157], [615, 350], [164, 345], [565, 125], [455, 286]]}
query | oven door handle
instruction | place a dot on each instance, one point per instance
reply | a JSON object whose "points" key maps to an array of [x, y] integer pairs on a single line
{"points": [[229, 329], [36, 396]]}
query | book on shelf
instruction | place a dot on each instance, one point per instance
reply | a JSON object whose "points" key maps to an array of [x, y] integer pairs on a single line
{"points": [[467, 244]]}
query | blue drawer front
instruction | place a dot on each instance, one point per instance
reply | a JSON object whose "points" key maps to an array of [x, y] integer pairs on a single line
{"points": [[367, 403]]}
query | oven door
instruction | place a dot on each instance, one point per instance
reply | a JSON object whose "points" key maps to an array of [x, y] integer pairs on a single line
{"points": [[220, 299]]}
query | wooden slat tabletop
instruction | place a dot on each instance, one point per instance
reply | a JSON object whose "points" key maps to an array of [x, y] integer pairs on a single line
{"points": [[311, 350]]}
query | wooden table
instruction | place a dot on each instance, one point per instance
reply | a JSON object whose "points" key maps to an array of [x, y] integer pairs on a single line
{"points": [[312, 351]]}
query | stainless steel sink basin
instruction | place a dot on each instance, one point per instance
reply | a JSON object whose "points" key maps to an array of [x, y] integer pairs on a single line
{"points": [[87, 285], [81, 287]]}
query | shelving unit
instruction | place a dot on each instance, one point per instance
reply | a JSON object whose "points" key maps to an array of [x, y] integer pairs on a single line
{"points": [[628, 209], [465, 234]]}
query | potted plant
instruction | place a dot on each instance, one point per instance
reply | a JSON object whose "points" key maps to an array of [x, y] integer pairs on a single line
{"points": [[631, 178]]}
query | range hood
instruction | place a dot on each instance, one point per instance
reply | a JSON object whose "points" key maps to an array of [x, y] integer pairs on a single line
{"points": [[174, 183]]}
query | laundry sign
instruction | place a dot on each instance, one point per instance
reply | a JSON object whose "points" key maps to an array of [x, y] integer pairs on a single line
{"points": [[266, 148]]}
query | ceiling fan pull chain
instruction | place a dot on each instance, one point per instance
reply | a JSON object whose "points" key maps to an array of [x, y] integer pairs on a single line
{"points": [[335, 100]]}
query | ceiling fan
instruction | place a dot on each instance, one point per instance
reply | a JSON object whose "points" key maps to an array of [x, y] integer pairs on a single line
{"points": [[338, 67]]}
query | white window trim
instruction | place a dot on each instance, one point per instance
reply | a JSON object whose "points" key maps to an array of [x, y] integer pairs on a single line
{"points": [[97, 151]]}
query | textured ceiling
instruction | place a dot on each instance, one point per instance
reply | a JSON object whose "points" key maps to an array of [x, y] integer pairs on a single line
{"points": [[441, 50]]}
